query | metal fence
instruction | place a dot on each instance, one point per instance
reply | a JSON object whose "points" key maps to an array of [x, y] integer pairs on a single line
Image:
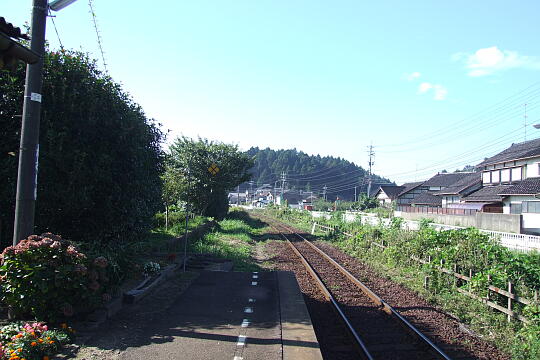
{"points": [[435, 210]]}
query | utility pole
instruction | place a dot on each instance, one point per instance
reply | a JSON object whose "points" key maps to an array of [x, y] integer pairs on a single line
{"points": [[283, 179], [251, 190], [324, 192], [187, 219], [371, 154], [238, 195], [29, 145], [355, 194]]}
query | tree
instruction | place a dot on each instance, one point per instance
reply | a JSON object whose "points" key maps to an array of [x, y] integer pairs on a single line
{"points": [[100, 157], [191, 162]]}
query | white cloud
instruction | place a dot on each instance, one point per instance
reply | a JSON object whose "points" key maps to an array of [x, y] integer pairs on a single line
{"points": [[424, 87], [412, 76], [439, 91], [489, 60]]}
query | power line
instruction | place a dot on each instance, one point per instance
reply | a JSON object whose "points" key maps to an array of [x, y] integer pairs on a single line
{"points": [[98, 35], [56, 30], [510, 101]]}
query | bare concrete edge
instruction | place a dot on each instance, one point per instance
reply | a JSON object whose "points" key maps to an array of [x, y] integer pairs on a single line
{"points": [[297, 334]]}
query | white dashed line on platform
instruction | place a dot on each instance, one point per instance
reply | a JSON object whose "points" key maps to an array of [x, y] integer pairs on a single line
{"points": [[248, 309], [245, 323], [251, 300], [241, 340], [254, 283]]}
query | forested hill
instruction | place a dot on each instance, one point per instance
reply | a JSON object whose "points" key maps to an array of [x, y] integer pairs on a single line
{"points": [[311, 173]]}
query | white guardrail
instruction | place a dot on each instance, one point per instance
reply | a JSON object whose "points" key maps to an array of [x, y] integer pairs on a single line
{"points": [[518, 242]]}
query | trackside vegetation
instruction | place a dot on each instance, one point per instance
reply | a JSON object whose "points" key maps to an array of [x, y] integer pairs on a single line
{"points": [[468, 252], [234, 238]]}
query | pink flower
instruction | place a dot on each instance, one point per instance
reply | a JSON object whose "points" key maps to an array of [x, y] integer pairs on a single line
{"points": [[56, 245], [71, 250]]}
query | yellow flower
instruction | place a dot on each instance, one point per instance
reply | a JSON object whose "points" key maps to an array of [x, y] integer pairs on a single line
{"points": [[40, 340], [33, 343], [51, 342]]}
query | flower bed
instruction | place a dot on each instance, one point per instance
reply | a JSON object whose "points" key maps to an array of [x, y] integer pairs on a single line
{"points": [[32, 341]]}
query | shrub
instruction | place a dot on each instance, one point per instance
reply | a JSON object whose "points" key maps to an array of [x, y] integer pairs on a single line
{"points": [[49, 278]]}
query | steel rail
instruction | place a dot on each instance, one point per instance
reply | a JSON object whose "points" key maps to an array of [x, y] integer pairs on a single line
{"points": [[330, 298], [376, 299]]}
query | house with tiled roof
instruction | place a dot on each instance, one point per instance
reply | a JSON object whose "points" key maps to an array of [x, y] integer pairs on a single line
{"points": [[511, 178], [518, 167], [410, 190], [452, 196], [429, 192], [386, 194]]}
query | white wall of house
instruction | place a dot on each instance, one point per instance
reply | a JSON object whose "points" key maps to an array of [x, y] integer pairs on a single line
{"points": [[384, 199], [450, 199], [511, 171], [530, 211]]}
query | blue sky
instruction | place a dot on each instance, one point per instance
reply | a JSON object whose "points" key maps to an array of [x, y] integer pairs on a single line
{"points": [[432, 85]]}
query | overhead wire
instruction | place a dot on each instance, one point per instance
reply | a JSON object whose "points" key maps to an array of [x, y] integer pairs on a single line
{"points": [[497, 107]]}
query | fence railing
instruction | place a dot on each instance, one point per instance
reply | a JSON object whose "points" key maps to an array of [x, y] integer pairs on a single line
{"points": [[435, 210], [511, 296], [517, 242]]}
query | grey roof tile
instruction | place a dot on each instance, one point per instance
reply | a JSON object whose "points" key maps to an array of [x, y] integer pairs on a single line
{"points": [[530, 186], [487, 194], [445, 179], [427, 198], [515, 151], [391, 190], [410, 186], [462, 185]]}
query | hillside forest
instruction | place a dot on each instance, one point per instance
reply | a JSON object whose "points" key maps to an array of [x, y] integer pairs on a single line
{"points": [[310, 173]]}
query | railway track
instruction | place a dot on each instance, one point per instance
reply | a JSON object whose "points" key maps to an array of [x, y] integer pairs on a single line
{"points": [[378, 331]]}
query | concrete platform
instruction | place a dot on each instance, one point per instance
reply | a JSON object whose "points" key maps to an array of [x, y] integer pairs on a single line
{"points": [[233, 315]]}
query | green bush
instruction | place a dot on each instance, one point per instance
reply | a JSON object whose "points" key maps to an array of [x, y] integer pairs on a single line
{"points": [[49, 278]]}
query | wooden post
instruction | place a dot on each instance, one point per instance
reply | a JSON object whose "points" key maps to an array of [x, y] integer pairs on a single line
{"points": [[509, 301], [488, 291], [455, 278], [426, 282], [313, 228], [535, 296], [470, 278]]}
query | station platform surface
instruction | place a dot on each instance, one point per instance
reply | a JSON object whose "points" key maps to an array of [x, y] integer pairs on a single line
{"points": [[236, 316]]}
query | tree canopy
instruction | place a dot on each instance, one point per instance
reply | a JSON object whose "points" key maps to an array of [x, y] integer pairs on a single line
{"points": [[311, 173], [100, 156], [188, 176]]}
